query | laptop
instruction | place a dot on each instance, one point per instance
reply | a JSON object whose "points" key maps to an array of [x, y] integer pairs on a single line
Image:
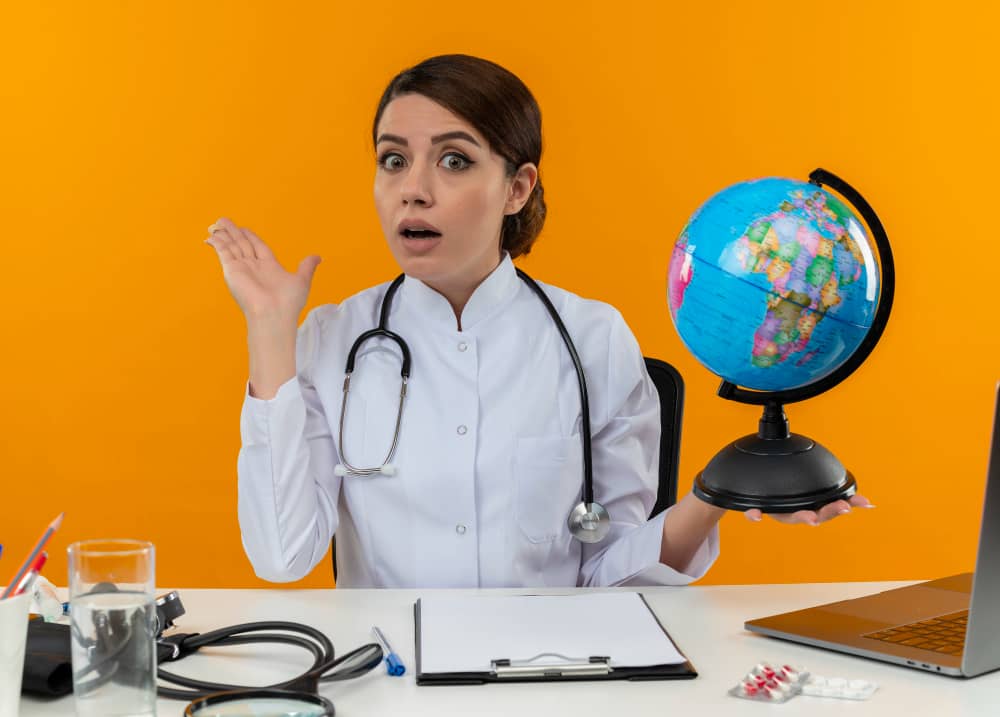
{"points": [[950, 626]]}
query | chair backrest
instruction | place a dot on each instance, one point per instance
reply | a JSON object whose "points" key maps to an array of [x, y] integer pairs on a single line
{"points": [[670, 387]]}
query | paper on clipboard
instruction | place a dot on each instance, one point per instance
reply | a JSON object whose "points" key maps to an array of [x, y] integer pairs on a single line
{"points": [[467, 633]]}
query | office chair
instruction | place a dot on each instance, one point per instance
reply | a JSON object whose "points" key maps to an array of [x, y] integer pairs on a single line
{"points": [[670, 388]]}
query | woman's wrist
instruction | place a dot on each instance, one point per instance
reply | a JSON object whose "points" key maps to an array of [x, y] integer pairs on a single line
{"points": [[685, 528], [271, 317], [271, 345], [709, 513]]}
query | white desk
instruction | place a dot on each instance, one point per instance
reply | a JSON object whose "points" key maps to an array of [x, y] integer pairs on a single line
{"points": [[706, 622]]}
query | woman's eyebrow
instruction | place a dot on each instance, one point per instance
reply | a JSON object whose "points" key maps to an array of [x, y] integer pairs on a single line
{"points": [[436, 139], [458, 134], [395, 138]]}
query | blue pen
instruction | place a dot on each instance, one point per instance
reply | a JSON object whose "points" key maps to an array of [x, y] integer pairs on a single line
{"points": [[393, 665]]}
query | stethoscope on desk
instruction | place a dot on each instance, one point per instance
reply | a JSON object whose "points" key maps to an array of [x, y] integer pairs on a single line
{"points": [[111, 655], [588, 522]]}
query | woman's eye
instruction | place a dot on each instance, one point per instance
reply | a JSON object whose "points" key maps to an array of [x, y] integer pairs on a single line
{"points": [[392, 160], [455, 162]]}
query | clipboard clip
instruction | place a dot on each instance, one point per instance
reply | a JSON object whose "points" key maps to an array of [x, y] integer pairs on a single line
{"points": [[538, 666]]}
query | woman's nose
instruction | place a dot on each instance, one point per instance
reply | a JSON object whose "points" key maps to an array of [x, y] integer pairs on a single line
{"points": [[416, 188]]}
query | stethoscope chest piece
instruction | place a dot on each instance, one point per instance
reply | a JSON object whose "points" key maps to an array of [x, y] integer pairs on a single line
{"points": [[589, 522]]}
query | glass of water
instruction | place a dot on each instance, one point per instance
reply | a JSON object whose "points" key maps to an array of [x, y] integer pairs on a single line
{"points": [[112, 614]]}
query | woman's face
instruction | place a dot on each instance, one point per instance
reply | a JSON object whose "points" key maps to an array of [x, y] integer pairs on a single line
{"points": [[441, 194]]}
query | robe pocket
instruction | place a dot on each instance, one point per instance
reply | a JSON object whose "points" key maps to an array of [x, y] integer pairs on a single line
{"points": [[548, 475]]}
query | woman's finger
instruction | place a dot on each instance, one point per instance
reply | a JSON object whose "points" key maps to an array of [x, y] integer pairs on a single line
{"points": [[221, 246], [859, 501], [221, 239], [244, 244], [753, 514], [261, 250], [227, 231], [832, 510], [809, 517], [803, 516]]}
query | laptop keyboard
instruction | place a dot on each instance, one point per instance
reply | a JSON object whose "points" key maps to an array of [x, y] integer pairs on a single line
{"points": [[945, 634]]}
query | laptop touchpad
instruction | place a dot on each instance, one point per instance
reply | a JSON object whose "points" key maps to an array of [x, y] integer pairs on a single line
{"points": [[902, 605]]}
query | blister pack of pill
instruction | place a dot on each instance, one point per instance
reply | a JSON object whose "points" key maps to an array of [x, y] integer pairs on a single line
{"points": [[770, 683], [820, 686]]}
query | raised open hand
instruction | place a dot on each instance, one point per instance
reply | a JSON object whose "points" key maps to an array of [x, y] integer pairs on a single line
{"points": [[260, 285]]}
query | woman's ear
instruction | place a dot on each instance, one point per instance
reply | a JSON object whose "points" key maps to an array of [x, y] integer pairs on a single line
{"points": [[521, 185]]}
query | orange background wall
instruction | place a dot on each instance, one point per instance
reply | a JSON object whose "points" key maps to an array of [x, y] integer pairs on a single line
{"points": [[127, 128]]}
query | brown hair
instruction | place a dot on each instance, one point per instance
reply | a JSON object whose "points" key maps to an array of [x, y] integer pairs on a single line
{"points": [[501, 108]]}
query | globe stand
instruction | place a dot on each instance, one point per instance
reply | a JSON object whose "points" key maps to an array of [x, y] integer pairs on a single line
{"points": [[777, 471], [774, 470]]}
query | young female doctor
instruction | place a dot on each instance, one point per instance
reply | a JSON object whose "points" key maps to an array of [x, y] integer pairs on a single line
{"points": [[469, 479]]}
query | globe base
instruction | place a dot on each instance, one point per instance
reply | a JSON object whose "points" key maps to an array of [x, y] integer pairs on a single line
{"points": [[775, 475]]}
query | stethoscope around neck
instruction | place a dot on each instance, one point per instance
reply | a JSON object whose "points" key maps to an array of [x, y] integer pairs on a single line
{"points": [[588, 522]]}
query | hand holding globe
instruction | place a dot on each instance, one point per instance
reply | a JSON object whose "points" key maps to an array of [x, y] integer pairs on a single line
{"points": [[775, 286]]}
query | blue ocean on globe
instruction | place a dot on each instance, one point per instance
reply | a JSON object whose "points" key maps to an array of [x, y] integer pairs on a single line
{"points": [[773, 284]]}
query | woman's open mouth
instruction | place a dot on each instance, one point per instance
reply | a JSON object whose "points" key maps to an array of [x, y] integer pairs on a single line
{"points": [[418, 236], [420, 233]]}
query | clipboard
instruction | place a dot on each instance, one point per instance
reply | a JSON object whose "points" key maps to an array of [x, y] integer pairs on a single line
{"points": [[564, 627]]}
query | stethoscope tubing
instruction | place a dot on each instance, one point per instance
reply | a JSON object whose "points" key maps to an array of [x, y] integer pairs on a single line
{"points": [[589, 521], [309, 638], [381, 331], [588, 469]]}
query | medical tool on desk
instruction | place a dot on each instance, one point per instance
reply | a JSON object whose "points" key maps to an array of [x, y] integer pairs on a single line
{"points": [[298, 696], [588, 522]]}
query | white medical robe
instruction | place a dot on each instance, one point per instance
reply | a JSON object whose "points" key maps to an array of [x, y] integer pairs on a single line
{"points": [[489, 460]]}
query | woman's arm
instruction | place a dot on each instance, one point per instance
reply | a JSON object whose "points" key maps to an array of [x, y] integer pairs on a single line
{"points": [[626, 443], [690, 521], [686, 526], [287, 496], [271, 344], [270, 298], [288, 492]]}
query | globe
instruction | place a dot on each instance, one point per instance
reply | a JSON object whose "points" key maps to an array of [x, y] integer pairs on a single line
{"points": [[773, 284]]}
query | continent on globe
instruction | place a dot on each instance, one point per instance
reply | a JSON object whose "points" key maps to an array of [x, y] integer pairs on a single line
{"points": [[794, 248]]}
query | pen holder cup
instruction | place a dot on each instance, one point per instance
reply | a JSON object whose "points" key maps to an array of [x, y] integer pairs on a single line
{"points": [[13, 632]]}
